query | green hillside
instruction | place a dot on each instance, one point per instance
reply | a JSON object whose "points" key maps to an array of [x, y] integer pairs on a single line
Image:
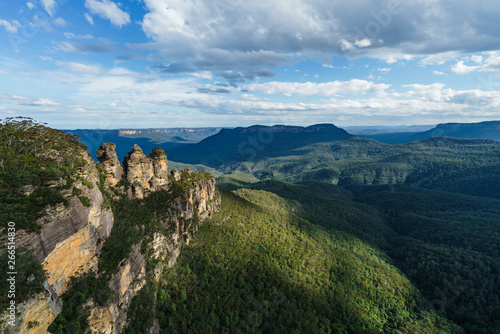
{"points": [[259, 267], [328, 154], [460, 165], [396, 246], [446, 243]]}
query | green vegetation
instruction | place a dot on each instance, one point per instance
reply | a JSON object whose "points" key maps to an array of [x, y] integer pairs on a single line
{"points": [[82, 289], [379, 247], [257, 267], [141, 313], [134, 220], [448, 245], [29, 279], [34, 156], [460, 165]]}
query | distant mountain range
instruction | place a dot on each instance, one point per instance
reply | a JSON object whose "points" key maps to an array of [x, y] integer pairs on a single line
{"points": [[124, 139], [433, 159], [256, 142], [239, 141], [330, 154], [378, 129], [483, 130]]}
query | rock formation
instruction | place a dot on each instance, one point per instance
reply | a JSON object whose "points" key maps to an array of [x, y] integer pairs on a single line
{"points": [[146, 173], [72, 236], [109, 163], [160, 167], [197, 203], [67, 245]]}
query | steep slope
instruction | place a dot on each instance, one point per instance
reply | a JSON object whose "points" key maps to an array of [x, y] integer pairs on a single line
{"points": [[72, 236], [257, 267], [64, 223], [446, 243]]}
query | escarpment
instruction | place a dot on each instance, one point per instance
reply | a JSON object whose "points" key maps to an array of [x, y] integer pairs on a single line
{"points": [[189, 198], [67, 245], [73, 236]]}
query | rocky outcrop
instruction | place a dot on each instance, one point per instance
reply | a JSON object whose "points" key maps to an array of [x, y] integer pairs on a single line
{"points": [[186, 213], [110, 164], [146, 173], [130, 278], [160, 167], [37, 313], [70, 238]]}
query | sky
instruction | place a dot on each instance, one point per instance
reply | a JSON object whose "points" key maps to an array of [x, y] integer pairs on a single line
{"points": [[86, 64]]}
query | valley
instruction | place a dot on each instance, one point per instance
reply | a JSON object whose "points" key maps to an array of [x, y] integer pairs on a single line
{"points": [[300, 230]]}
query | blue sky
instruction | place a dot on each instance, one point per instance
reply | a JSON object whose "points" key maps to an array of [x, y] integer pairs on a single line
{"points": [[185, 63]]}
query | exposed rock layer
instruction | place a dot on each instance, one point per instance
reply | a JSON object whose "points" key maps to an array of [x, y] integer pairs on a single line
{"points": [[72, 236], [146, 173], [67, 245], [110, 164]]}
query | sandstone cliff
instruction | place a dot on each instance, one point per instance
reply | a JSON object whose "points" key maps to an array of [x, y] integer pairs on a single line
{"points": [[67, 244], [72, 236], [196, 202]]}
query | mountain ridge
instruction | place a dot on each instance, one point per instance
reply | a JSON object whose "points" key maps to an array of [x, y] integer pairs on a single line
{"points": [[481, 130]]}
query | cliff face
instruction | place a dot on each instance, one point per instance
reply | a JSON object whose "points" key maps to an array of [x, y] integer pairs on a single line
{"points": [[130, 278], [72, 236], [196, 203]]}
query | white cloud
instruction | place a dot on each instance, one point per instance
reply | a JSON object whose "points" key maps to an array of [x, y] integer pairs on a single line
{"points": [[123, 95], [479, 100], [60, 22], [42, 102], [461, 68], [433, 92], [385, 69], [490, 64], [438, 73], [249, 97], [477, 59], [439, 58], [45, 102], [189, 30], [363, 43], [67, 47], [345, 45], [107, 9], [334, 88], [80, 68], [89, 18], [70, 35], [30, 5], [11, 26], [203, 75], [49, 6]]}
